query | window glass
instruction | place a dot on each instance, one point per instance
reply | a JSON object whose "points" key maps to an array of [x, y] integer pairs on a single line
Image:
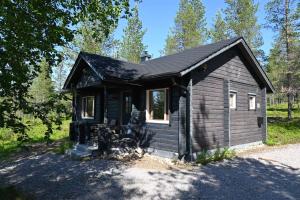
{"points": [[157, 107], [252, 102], [232, 100], [88, 107]]}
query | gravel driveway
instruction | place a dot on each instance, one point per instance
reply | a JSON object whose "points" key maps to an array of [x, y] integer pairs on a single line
{"points": [[271, 174]]}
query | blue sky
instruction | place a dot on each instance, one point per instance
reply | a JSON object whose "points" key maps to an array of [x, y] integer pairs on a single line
{"points": [[158, 17]]}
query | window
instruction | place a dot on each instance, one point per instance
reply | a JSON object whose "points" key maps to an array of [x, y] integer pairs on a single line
{"points": [[157, 106], [88, 104], [252, 104], [232, 100]]}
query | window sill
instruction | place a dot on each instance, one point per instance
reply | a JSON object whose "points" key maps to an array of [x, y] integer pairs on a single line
{"points": [[87, 118], [158, 121]]}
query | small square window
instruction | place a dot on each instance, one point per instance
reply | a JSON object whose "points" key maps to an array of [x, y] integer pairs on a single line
{"points": [[252, 103], [232, 100]]}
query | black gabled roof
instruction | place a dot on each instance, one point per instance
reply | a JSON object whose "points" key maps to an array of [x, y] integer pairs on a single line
{"points": [[112, 68], [177, 64]]}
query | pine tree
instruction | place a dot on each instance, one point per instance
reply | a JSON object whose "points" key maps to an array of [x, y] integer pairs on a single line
{"points": [[42, 86], [284, 18], [131, 46], [190, 27], [240, 16], [219, 30]]}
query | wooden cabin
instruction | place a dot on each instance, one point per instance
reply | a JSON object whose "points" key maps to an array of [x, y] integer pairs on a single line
{"points": [[202, 98]]}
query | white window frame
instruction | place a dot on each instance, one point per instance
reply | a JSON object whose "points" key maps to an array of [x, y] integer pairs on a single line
{"points": [[84, 107], [251, 95], [166, 110], [235, 99]]}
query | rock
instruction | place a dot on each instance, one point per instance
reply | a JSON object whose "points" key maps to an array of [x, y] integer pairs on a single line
{"points": [[140, 152]]}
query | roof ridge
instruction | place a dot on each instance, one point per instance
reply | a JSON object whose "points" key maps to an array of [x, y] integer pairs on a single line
{"points": [[199, 46], [108, 57]]}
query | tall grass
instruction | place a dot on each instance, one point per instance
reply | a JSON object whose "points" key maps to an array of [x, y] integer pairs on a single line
{"points": [[9, 141]]}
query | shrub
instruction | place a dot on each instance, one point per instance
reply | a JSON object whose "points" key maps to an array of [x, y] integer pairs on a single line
{"points": [[206, 157]]}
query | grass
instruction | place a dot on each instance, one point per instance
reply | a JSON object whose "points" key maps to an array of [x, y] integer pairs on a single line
{"points": [[11, 193], [206, 157], [280, 110], [9, 143], [283, 131]]}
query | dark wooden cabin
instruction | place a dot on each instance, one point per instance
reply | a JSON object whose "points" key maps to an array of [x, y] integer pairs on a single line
{"points": [[202, 98]]}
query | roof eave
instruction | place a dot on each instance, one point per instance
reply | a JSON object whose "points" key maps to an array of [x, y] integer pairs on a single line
{"points": [[270, 88]]}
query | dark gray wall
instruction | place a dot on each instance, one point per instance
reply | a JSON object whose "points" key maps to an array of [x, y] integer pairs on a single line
{"points": [[213, 125], [97, 93], [161, 136], [244, 127]]}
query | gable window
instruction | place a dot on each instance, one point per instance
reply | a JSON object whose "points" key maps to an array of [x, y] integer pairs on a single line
{"points": [[232, 99], [252, 101], [88, 105], [157, 106]]}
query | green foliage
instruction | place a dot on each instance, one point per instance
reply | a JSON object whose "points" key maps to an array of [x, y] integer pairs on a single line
{"points": [[31, 32], [240, 16], [206, 157], [189, 30], [283, 17], [280, 130], [9, 142], [131, 46], [219, 29], [42, 86], [280, 110], [284, 132]]}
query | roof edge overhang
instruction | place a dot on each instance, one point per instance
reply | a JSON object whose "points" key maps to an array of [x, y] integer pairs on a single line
{"points": [[262, 75], [79, 59]]}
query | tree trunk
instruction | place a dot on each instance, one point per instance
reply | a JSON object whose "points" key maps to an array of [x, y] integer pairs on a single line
{"points": [[289, 75]]}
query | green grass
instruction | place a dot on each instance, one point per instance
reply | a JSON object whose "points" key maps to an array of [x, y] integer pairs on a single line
{"points": [[9, 143], [283, 131], [206, 157], [11, 193], [280, 110]]}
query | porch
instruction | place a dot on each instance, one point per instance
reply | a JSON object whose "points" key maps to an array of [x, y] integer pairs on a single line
{"points": [[106, 116]]}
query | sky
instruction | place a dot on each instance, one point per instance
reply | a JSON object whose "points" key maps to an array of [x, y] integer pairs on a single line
{"points": [[158, 17]]}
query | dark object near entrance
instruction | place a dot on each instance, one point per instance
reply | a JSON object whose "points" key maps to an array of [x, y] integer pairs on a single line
{"points": [[104, 139]]}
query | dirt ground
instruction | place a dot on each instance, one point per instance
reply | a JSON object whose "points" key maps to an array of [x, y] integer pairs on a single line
{"points": [[268, 172]]}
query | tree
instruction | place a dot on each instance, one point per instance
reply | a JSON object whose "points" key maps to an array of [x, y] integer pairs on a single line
{"points": [[32, 31], [83, 41], [284, 18], [240, 16], [189, 30], [219, 29], [131, 46], [42, 86]]}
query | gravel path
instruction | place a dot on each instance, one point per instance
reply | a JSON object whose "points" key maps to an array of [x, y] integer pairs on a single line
{"points": [[50, 176]]}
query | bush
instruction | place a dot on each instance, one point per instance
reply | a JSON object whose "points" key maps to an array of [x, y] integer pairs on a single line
{"points": [[206, 157]]}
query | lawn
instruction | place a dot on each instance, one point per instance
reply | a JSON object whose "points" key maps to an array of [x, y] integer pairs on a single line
{"points": [[280, 110], [9, 143], [282, 131]]}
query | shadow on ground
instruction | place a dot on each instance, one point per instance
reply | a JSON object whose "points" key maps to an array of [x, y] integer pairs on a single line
{"points": [[50, 176]]}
